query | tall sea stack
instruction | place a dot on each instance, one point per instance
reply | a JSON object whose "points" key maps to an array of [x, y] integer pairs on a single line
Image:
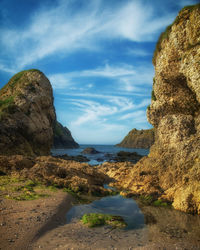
{"points": [[172, 169], [27, 115]]}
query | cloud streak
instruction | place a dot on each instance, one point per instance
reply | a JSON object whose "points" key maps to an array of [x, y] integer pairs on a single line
{"points": [[127, 77], [63, 30]]}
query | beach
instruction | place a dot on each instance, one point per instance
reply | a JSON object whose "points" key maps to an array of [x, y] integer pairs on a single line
{"points": [[41, 224]]}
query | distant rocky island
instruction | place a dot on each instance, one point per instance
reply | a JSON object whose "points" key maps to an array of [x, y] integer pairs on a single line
{"points": [[28, 123], [143, 138]]}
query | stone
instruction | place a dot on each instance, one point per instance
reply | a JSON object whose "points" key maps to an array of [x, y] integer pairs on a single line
{"points": [[123, 156], [75, 176], [90, 151]]}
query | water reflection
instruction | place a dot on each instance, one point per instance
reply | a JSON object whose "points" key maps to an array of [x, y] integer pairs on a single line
{"points": [[116, 205], [173, 225]]}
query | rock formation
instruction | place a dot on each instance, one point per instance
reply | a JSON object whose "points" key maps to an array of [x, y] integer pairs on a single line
{"points": [[123, 156], [91, 151], [172, 169], [27, 117], [78, 177], [27, 114], [138, 139], [62, 137]]}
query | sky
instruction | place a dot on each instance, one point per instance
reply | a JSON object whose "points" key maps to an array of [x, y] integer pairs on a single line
{"points": [[97, 55]]}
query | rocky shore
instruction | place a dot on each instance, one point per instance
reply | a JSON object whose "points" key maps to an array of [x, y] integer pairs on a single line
{"points": [[143, 138], [33, 217]]}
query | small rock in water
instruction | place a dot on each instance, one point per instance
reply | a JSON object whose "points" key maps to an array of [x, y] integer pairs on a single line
{"points": [[90, 151]]}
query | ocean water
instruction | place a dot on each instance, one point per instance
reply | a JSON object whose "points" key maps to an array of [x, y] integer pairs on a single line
{"points": [[103, 149]]}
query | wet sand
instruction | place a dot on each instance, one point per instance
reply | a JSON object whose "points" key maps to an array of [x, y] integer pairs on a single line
{"points": [[41, 224]]}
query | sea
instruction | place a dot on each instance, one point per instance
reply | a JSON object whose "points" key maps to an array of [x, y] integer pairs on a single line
{"points": [[99, 158]]}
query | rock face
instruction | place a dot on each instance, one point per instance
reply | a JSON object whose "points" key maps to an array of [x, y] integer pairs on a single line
{"points": [[172, 169], [63, 137], [27, 114], [28, 123], [138, 139], [123, 156], [78, 177]]}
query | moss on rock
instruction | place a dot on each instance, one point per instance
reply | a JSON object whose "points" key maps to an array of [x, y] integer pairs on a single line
{"points": [[96, 219]]}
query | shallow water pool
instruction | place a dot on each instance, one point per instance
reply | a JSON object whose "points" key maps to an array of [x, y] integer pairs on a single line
{"points": [[115, 205]]}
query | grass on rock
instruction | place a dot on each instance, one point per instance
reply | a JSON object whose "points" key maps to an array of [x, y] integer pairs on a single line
{"points": [[149, 200], [96, 219], [15, 188]]}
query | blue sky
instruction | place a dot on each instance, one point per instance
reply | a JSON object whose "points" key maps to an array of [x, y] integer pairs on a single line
{"points": [[97, 55]]}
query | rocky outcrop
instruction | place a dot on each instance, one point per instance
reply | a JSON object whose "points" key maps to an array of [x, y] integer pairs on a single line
{"points": [[138, 139], [79, 158], [172, 169], [78, 177], [62, 137], [123, 156], [90, 151], [27, 114], [28, 123]]}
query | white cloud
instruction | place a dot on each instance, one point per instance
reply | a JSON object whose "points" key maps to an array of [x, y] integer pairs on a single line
{"points": [[60, 81], [136, 117], [63, 30], [111, 108], [137, 52], [6, 69], [92, 111], [126, 77]]}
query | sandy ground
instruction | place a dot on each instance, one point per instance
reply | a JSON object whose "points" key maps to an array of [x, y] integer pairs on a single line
{"points": [[41, 224], [22, 221]]}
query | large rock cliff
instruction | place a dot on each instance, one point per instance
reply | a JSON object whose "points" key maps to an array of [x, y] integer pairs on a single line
{"points": [[27, 115], [138, 139], [62, 137], [172, 169]]}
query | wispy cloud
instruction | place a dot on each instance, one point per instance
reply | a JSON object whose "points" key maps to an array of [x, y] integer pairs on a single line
{"points": [[61, 29], [136, 117], [127, 77], [137, 52], [96, 111]]}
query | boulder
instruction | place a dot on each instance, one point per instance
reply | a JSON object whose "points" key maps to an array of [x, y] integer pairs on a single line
{"points": [[90, 151]]}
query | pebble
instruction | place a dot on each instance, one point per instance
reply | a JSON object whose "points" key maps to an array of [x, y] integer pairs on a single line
{"points": [[38, 218], [11, 240]]}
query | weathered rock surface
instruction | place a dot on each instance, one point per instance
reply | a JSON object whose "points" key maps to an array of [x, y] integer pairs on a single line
{"points": [[79, 158], [79, 177], [27, 114], [123, 156], [90, 151], [62, 137], [138, 139], [172, 169]]}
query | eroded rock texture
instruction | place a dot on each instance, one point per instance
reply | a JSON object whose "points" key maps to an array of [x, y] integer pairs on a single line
{"points": [[27, 114], [172, 169], [78, 177], [62, 137], [143, 138]]}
